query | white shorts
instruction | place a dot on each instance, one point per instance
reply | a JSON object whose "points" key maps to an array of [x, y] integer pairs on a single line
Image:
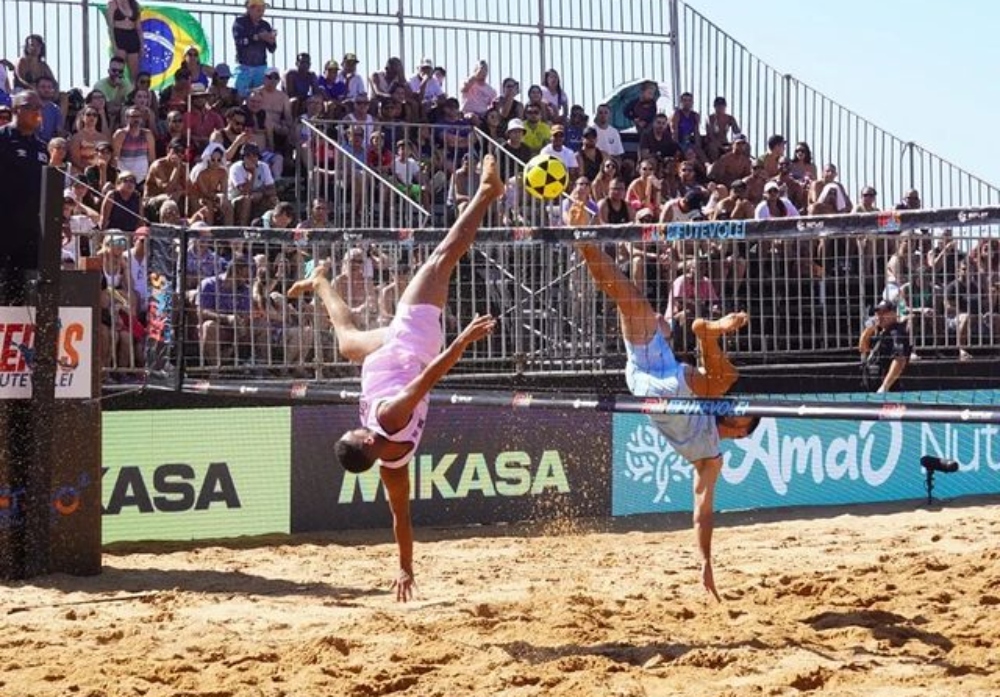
{"points": [[416, 329]]}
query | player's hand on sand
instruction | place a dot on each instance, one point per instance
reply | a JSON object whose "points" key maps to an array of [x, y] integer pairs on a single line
{"points": [[708, 580], [479, 327], [404, 585]]}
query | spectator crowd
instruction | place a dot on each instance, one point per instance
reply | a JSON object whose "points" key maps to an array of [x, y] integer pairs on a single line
{"points": [[223, 146]]}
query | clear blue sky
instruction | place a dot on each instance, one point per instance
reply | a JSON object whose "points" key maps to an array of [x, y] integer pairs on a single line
{"points": [[924, 71]]}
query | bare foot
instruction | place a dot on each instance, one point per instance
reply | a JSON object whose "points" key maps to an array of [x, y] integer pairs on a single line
{"points": [[726, 325], [490, 184], [309, 284]]}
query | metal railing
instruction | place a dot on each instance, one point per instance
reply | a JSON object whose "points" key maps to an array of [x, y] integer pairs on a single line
{"points": [[766, 102], [368, 183], [809, 297], [583, 40]]}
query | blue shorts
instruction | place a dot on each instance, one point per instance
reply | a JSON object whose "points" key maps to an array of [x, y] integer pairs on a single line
{"points": [[653, 371], [249, 77]]}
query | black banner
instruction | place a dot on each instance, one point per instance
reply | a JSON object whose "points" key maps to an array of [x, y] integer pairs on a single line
{"points": [[475, 466], [808, 226]]}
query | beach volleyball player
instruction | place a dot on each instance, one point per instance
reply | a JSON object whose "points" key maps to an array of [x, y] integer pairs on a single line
{"points": [[402, 362], [653, 371]]}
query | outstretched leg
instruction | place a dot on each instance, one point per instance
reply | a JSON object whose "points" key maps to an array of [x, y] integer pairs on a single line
{"points": [[717, 374], [430, 284], [354, 343], [638, 318]]}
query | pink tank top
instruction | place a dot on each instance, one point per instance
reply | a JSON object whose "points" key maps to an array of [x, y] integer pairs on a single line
{"points": [[384, 375]]}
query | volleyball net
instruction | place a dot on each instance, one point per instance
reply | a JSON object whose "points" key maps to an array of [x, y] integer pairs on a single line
{"points": [[809, 285]]}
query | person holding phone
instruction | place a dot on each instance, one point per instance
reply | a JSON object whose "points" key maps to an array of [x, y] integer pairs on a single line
{"points": [[254, 38]]}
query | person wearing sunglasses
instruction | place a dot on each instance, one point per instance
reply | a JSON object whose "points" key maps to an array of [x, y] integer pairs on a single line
{"points": [[22, 157], [122, 206], [115, 87]]}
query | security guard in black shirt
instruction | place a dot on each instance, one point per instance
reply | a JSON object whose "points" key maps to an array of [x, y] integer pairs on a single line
{"points": [[23, 157], [885, 349]]}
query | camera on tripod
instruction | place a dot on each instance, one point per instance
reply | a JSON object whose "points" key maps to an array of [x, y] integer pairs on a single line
{"points": [[937, 464], [933, 464]]}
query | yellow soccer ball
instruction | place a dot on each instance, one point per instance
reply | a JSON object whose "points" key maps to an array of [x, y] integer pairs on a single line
{"points": [[545, 177]]}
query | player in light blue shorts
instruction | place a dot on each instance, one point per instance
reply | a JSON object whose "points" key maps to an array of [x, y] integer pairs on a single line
{"points": [[653, 371]]}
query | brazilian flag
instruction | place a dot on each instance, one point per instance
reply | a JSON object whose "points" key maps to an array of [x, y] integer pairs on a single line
{"points": [[167, 33]]}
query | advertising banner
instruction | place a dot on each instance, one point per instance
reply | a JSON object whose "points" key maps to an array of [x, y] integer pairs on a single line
{"points": [[474, 466], [805, 462], [195, 473], [17, 352]]}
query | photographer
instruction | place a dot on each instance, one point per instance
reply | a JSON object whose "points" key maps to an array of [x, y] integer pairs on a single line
{"points": [[885, 350]]}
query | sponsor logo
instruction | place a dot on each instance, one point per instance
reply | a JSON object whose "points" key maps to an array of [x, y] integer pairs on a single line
{"points": [[804, 225], [252, 235], [201, 386], [708, 407], [298, 390], [972, 216], [457, 476], [173, 488], [889, 221], [461, 399], [585, 234], [891, 412], [353, 236], [521, 399], [713, 230], [65, 500], [17, 353], [249, 389]]}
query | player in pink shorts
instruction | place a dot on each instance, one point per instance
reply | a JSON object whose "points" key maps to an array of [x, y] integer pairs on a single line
{"points": [[402, 362]]}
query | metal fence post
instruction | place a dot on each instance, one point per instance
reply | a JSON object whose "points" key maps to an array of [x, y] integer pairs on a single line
{"points": [[675, 49], [401, 25], [786, 105], [910, 147], [541, 35], [85, 9]]}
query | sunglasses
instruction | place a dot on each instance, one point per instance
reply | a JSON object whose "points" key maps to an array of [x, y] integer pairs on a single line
{"points": [[868, 195], [179, 120], [116, 72], [273, 77], [128, 180]]}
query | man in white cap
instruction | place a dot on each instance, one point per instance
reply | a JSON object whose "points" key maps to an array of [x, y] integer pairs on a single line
{"points": [[254, 39], [424, 85]]}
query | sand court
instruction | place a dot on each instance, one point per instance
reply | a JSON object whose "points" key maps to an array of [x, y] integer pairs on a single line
{"points": [[882, 600]]}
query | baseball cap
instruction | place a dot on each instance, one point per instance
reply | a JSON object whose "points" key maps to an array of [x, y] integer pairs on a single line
{"points": [[69, 194], [331, 64], [886, 306], [222, 71], [772, 186], [426, 63], [272, 71], [350, 58], [558, 129], [739, 138], [199, 90], [515, 125], [868, 190]]}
